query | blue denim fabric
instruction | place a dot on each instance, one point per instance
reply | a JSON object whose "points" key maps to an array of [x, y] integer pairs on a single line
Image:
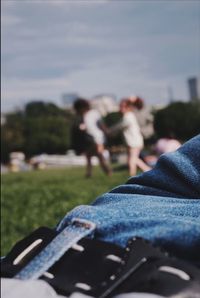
{"points": [[162, 205]]}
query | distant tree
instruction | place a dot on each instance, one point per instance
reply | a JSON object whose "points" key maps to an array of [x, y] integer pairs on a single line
{"points": [[40, 109], [46, 134], [179, 119], [12, 135], [40, 128]]}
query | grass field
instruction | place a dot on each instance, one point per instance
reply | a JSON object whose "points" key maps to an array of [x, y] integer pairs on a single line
{"points": [[42, 198]]}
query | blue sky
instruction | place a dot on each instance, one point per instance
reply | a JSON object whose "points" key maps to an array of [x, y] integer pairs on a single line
{"points": [[52, 47]]}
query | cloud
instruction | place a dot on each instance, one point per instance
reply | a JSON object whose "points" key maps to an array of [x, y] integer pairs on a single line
{"points": [[9, 20], [17, 92], [96, 46], [77, 3]]}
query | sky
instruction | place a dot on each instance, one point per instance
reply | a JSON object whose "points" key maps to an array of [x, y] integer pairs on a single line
{"points": [[52, 47]]}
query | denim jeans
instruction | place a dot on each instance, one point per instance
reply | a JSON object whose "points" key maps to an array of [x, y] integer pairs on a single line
{"points": [[161, 205]]}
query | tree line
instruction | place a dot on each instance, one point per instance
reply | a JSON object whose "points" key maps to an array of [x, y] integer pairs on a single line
{"points": [[45, 128]]}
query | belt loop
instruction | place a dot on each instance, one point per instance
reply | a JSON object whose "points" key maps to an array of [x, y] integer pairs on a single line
{"points": [[76, 230]]}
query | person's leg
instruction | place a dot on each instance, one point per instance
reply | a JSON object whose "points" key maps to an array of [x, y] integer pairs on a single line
{"points": [[105, 167], [132, 160], [142, 165], [88, 165]]}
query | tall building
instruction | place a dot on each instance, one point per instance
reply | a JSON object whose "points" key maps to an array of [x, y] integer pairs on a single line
{"points": [[194, 88], [170, 94]]}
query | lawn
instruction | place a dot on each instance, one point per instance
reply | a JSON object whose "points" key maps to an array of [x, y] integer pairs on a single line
{"points": [[42, 198]]}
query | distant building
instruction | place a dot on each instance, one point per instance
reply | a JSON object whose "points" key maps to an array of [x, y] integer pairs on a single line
{"points": [[170, 94], [194, 88], [105, 103]]}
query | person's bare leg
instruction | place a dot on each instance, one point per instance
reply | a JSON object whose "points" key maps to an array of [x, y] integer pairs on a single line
{"points": [[105, 167], [142, 165], [88, 165], [132, 161]]}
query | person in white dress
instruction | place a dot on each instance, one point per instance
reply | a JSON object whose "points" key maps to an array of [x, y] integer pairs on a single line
{"points": [[132, 134]]}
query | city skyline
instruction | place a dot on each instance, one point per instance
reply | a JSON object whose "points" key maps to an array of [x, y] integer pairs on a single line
{"points": [[93, 47]]}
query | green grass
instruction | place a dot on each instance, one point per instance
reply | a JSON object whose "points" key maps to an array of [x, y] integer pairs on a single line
{"points": [[42, 198]]}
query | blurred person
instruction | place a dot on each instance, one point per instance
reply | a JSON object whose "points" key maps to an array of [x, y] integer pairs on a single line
{"points": [[132, 134], [166, 145], [91, 128], [163, 145]]}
